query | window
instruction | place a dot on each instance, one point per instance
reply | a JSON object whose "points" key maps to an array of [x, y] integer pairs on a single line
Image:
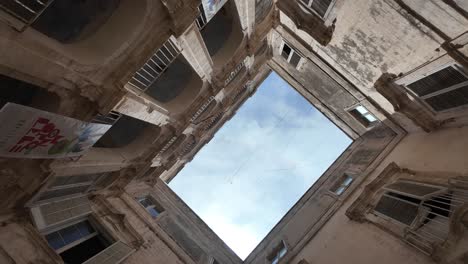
{"points": [[341, 185], [290, 55], [361, 114], [403, 199], [444, 89], [150, 206], [82, 242], [321, 7], [261, 9], [278, 253], [201, 19]]}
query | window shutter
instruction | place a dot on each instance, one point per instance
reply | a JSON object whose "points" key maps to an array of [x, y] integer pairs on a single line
{"points": [[437, 81], [452, 99], [114, 254], [321, 6], [400, 210], [51, 214]]}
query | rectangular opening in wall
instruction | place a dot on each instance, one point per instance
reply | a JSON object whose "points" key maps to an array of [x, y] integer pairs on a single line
{"points": [[363, 116], [259, 164]]}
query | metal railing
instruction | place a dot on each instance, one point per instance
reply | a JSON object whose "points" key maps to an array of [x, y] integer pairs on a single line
{"points": [[201, 19], [111, 118], [432, 224], [25, 11], [155, 66], [234, 73]]}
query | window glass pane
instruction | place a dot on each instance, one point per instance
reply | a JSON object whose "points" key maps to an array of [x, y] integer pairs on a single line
{"points": [[402, 211], [153, 212], [70, 234], [321, 6], [348, 180], [340, 190], [282, 252], [85, 228], [361, 109], [295, 59], [54, 240], [370, 117], [146, 202], [286, 51]]}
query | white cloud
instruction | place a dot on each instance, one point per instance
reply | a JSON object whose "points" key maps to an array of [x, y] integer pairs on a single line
{"points": [[259, 164]]}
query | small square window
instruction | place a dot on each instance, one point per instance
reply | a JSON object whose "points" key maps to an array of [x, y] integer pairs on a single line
{"points": [[340, 186], [290, 55], [361, 114], [153, 209], [278, 253]]}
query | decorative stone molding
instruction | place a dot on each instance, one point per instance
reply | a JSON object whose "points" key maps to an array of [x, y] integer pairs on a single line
{"points": [[402, 103], [357, 211]]}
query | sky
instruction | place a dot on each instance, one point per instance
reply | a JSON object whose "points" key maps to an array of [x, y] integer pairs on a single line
{"points": [[259, 164]]}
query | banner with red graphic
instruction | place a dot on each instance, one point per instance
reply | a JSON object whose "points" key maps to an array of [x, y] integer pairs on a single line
{"points": [[27, 132]]}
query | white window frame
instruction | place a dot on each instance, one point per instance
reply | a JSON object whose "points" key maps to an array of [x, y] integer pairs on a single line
{"points": [[365, 114], [301, 60], [308, 4], [154, 205], [279, 252], [343, 183], [410, 81]]}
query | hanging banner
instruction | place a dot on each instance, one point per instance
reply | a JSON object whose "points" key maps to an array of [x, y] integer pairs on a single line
{"points": [[27, 132], [211, 7]]}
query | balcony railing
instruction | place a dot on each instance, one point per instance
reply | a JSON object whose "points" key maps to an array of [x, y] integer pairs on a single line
{"points": [[234, 73], [26, 11], [201, 19], [435, 215], [111, 118], [156, 65]]}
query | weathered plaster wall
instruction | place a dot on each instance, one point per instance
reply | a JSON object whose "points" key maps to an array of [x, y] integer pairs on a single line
{"points": [[376, 36], [364, 243]]}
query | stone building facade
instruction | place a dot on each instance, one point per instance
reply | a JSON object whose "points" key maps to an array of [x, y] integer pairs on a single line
{"points": [[392, 74]]}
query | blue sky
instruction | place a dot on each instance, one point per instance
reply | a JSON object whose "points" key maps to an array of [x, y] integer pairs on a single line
{"points": [[259, 164]]}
